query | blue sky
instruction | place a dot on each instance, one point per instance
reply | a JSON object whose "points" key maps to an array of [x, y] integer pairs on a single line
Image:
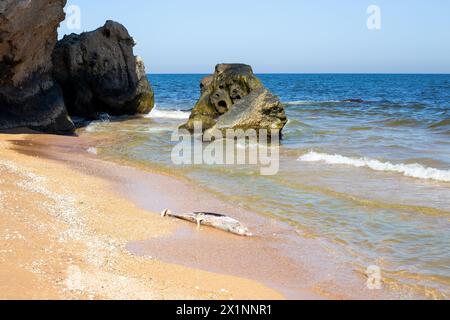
{"points": [[298, 36]]}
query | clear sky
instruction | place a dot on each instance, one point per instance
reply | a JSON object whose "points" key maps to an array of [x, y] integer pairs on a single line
{"points": [[296, 36]]}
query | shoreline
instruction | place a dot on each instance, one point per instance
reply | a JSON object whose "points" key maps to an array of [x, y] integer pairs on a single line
{"points": [[278, 261], [63, 241], [117, 183]]}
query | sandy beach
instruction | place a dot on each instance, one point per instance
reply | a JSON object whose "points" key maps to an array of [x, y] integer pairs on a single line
{"points": [[141, 159], [64, 232], [77, 227]]}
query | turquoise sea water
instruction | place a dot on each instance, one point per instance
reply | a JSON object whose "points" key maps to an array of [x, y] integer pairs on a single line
{"points": [[365, 163]]}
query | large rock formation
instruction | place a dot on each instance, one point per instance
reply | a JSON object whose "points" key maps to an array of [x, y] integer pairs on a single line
{"points": [[99, 73], [234, 98], [260, 109], [28, 94]]}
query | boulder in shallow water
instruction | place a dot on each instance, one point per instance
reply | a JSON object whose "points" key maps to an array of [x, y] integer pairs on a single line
{"points": [[234, 98], [258, 110], [100, 74], [29, 97]]}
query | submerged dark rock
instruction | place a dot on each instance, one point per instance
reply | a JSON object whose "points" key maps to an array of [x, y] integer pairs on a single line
{"points": [[99, 73], [354, 100], [234, 98], [29, 97]]}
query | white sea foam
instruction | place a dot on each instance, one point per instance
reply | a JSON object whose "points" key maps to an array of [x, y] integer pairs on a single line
{"points": [[160, 129], [92, 150], [168, 114], [251, 145], [94, 126], [410, 170], [97, 125]]}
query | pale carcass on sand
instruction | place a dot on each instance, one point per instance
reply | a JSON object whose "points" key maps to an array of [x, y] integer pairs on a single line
{"points": [[218, 221]]}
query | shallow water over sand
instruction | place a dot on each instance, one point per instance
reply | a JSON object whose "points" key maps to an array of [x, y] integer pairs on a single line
{"points": [[370, 175]]}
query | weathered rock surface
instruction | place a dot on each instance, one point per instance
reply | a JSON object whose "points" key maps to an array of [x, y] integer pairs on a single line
{"points": [[99, 73], [258, 110], [28, 95], [234, 98]]}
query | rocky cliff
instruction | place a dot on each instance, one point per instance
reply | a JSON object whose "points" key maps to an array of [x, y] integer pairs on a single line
{"points": [[42, 82], [28, 94], [100, 74]]}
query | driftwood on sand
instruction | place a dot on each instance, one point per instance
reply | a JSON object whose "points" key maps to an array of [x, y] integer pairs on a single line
{"points": [[218, 221]]}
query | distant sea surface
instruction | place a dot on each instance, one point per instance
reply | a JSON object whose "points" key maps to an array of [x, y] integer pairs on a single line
{"points": [[365, 163]]}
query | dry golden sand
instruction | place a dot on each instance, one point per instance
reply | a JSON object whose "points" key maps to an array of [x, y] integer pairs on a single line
{"points": [[63, 235]]}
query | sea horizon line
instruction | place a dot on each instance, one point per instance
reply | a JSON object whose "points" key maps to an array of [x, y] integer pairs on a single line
{"points": [[310, 73]]}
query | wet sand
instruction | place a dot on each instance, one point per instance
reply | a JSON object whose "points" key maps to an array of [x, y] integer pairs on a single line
{"points": [[64, 232], [172, 257]]}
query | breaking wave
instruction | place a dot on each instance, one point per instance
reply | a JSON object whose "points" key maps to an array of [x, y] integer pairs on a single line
{"points": [[96, 126], [410, 170], [168, 114]]}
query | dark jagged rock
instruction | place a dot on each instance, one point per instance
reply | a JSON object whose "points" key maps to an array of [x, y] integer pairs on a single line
{"points": [[99, 73], [28, 95], [234, 98]]}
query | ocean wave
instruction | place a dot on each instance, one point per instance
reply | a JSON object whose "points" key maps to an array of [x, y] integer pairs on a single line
{"points": [[324, 102], [310, 102], [440, 124], [360, 128], [168, 114], [410, 170], [399, 122], [295, 123], [356, 102], [95, 126], [160, 129], [253, 146]]}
